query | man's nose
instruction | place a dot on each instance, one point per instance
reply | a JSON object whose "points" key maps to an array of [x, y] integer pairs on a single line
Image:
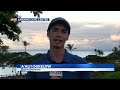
{"points": [[59, 33]]}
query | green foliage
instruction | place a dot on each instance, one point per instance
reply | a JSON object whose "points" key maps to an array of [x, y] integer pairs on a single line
{"points": [[10, 28], [114, 57], [36, 13], [117, 67], [106, 75], [38, 55], [96, 59], [99, 52], [4, 49], [11, 59]]}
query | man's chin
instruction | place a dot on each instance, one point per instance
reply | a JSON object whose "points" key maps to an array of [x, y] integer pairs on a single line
{"points": [[57, 47]]}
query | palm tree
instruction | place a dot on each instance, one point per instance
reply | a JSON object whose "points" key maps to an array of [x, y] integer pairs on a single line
{"points": [[70, 47], [119, 47], [115, 49], [25, 43], [100, 52], [95, 51]]}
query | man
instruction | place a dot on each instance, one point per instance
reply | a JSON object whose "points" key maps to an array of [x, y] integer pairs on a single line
{"points": [[58, 33]]}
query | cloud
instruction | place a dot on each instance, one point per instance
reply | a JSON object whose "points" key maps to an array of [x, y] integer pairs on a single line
{"points": [[94, 25], [78, 42], [13, 45], [92, 43], [86, 41], [83, 36], [81, 44], [37, 40], [115, 37], [117, 25], [40, 38]]}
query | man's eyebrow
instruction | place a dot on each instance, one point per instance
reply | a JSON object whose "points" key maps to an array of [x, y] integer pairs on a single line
{"points": [[54, 28], [65, 29]]}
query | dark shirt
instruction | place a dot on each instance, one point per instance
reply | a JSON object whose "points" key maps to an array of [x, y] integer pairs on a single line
{"points": [[68, 59]]}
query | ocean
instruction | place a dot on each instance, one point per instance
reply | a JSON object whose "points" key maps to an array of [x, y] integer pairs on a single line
{"points": [[12, 71]]}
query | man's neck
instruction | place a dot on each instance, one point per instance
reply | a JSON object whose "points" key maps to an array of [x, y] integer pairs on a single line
{"points": [[57, 55]]}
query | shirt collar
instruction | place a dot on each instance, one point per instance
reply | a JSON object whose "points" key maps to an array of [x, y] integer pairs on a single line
{"points": [[66, 57]]}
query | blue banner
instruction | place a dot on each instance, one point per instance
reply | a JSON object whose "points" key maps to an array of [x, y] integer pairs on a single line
{"points": [[65, 65]]}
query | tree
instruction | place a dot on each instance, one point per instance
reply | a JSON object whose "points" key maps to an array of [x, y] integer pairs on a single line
{"points": [[70, 47], [98, 52], [10, 28], [101, 52], [3, 48], [95, 51], [36, 13], [25, 43], [115, 49], [119, 47]]}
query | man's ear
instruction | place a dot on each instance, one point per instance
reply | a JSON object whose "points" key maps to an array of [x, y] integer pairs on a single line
{"points": [[48, 34], [67, 37]]}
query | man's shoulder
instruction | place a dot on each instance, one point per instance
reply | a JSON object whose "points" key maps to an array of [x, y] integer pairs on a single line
{"points": [[40, 60]]}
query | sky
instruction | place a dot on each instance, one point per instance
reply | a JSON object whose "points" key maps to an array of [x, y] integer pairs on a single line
{"points": [[89, 30]]}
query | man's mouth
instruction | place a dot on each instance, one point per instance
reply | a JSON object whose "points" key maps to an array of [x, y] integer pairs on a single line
{"points": [[57, 40]]}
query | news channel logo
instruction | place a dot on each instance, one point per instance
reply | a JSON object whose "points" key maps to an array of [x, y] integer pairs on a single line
{"points": [[29, 19]]}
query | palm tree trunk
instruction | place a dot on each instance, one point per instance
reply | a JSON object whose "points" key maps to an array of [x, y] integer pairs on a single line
{"points": [[25, 48]]}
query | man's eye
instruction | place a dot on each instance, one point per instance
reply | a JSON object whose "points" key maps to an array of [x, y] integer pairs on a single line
{"points": [[54, 30], [64, 31]]}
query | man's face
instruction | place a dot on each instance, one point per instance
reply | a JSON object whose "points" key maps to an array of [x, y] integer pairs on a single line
{"points": [[57, 35]]}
